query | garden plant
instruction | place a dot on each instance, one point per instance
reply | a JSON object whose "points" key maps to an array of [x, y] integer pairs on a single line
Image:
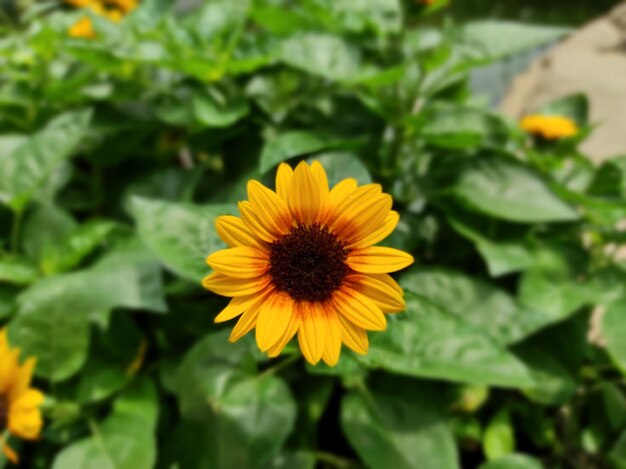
{"points": [[287, 234]]}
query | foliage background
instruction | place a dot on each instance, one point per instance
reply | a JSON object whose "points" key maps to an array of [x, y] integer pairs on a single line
{"points": [[118, 153]]}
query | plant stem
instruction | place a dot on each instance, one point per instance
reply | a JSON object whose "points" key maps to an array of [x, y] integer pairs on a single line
{"points": [[332, 459]]}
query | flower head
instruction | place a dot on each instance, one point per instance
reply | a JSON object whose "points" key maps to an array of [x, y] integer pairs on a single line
{"points": [[19, 403], [113, 10], [549, 127], [302, 261]]}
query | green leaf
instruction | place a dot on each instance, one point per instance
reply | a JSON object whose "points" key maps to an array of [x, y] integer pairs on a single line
{"points": [[398, 425], [427, 341], [46, 228], [181, 235], [32, 162], [322, 55], [484, 306], [76, 246], [53, 316], [290, 144], [240, 419], [124, 440], [575, 106], [384, 16], [499, 439], [341, 165], [503, 256], [17, 271], [481, 42], [214, 108], [99, 380], [614, 331], [506, 189], [461, 128], [513, 461]]}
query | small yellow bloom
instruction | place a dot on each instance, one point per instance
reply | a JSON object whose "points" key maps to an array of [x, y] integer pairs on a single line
{"points": [[19, 403], [549, 127], [83, 28], [302, 260], [113, 10]]}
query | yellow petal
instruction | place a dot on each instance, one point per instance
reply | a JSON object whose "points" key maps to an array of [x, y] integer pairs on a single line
{"points": [[365, 239], [240, 262], [291, 330], [253, 222], [270, 209], [354, 337], [320, 175], [358, 199], [359, 309], [230, 286], [283, 180], [22, 379], [377, 289], [274, 319], [378, 260], [9, 368], [235, 307], [29, 399], [10, 454], [332, 348], [312, 332], [359, 220], [305, 200], [234, 232], [246, 323]]}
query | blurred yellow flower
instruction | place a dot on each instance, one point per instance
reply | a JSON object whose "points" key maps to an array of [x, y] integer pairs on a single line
{"points": [[113, 10], [302, 260], [19, 403], [549, 127]]}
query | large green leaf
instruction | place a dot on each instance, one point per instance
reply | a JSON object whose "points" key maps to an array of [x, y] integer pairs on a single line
{"points": [[484, 306], [124, 440], [290, 144], [397, 424], [482, 42], [322, 55], [502, 256], [30, 163], [461, 128], [181, 235], [506, 189], [234, 417], [427, 341], [513, 461], [614, 330], [53, 316]]}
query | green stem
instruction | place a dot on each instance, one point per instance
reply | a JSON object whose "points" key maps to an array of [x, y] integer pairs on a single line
{"points": [[332, 459], [16, 229], [279, 366]]}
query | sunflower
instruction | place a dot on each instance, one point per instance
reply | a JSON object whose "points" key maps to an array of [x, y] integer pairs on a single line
{"points": [[19, 403], [113, 10], [302, 261], [549, 127]]}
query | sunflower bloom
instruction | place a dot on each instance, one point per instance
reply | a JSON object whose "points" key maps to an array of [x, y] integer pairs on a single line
{"points": [[113, 10], [19, 403], [549, 127], [302, 261]]}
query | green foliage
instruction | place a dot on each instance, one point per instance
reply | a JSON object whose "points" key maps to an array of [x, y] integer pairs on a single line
{"points": [[119, 152]]}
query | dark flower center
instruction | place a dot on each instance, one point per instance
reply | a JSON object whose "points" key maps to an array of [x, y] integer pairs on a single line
{"points": [[308, 263]]}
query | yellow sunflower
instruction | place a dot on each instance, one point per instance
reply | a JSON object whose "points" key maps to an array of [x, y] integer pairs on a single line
{"points": [[113, 10], [19, 403], [302, 260], [549, 127]]}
